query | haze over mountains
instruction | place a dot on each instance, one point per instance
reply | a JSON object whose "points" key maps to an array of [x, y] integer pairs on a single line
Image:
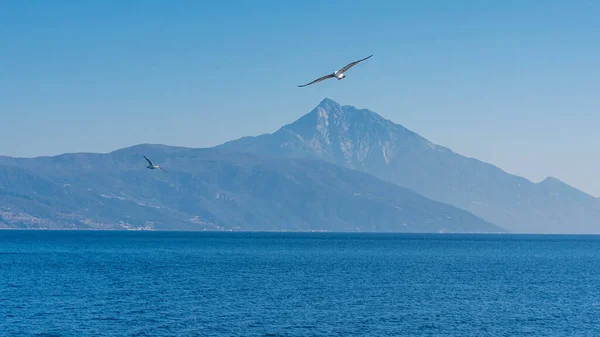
{"points": [[337, 168], [361, 139], [210, 189]]}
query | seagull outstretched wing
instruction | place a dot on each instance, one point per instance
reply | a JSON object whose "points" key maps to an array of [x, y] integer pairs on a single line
{"points": [[350, 65], [163, 169], [318, 80], [149, 161]]}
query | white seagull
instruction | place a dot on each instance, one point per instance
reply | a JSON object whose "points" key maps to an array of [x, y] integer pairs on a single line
{"points": [[339, 74], [152, 166]]}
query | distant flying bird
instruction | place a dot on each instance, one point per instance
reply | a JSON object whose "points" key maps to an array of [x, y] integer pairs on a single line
{"points": [[339, 74], [152, 166]]}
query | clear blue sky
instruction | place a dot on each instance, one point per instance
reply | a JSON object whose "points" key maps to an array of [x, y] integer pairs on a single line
{"points": [[515, 83]]}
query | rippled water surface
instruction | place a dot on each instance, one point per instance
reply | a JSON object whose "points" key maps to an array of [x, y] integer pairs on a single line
{"points": [[297, 284]]}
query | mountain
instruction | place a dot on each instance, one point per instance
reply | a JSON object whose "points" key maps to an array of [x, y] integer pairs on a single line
{"points": [[210, 189], [361, 139]]}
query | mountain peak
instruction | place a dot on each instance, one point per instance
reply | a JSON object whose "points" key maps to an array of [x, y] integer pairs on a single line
{"points": [[549, 180], [556, 183], [344, 135], [330, 113], [328, 102]]}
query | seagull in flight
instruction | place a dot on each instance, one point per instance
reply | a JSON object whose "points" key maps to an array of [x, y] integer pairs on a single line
{"points": [[339, 74], [152, 166]]}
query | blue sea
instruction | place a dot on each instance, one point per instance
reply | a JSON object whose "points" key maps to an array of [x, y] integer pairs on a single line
{"points": [[95, 283]]}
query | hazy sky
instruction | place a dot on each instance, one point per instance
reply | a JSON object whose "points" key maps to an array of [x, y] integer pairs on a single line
{"points": [[515, 83]]}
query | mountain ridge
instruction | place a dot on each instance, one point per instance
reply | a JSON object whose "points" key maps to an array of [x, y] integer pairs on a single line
{"points": [[210, 189]]}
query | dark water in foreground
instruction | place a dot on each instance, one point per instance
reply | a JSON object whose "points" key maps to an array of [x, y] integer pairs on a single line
{"points": [[291, 284]]}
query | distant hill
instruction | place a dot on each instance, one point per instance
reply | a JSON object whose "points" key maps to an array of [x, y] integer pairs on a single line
{"points": [[209, 189], [361, 139]]}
